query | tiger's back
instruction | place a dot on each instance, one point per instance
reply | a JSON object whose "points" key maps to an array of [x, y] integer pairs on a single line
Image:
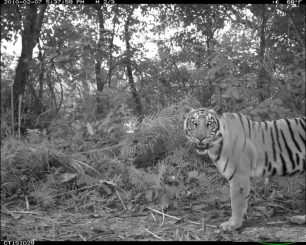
{"points": [[271, 147], [242, 149]]}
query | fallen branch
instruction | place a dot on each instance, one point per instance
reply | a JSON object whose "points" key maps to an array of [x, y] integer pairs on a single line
{"points": [[120, 199], [162, 220], [176, 218], [153, 234], [277, 222], [170, 216]]}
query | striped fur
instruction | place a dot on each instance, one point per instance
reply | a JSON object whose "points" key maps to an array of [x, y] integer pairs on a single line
{"points": [[243, 149]]}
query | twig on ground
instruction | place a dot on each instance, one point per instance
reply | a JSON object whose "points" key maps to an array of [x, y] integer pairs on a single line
{"points": [[162, 220], [173, 217], [153, 234], [27, 202], [170, 216], [153, 217], [17, 211], [277, 222], [66, 192], [120, 199]]}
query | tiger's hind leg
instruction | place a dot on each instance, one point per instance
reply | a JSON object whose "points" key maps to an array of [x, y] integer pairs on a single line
{"points": [[240, 189]]}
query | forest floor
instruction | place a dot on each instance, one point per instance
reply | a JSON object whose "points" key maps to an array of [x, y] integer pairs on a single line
{"points": [[189, 221]]}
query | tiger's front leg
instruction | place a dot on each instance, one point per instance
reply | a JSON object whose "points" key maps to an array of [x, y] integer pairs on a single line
{"points": [[240, 189]]}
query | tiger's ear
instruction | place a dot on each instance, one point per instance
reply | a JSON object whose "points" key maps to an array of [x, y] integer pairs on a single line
{"points": [[216, 101]]}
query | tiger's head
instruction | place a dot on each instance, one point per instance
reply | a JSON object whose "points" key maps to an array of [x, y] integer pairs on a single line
{"points": [[202, 127]]}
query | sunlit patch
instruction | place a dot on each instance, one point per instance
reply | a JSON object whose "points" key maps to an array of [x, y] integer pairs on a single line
{"points": [[130, 126]]}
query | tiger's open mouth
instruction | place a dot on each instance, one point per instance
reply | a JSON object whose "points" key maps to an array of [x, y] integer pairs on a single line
{"points": [[202, 146]]}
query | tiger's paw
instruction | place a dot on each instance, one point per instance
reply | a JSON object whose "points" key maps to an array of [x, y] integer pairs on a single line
{"points": [[230, 225]]}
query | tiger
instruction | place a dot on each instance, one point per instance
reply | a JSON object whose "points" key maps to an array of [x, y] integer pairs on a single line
{"points": [[243, 149]]}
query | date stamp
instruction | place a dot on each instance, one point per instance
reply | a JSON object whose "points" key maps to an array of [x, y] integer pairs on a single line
{"points": [[30, 242], [22, 1]]}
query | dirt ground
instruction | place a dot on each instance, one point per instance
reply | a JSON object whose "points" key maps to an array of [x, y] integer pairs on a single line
{"points": [[105, 224]]}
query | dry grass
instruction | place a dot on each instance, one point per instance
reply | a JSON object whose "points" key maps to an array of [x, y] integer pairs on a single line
{"points": [[48, 195]]}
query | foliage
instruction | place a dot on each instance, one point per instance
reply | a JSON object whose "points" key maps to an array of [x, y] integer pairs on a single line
{"points": [[10, 13], [196, 57], [155, 136], [269, 109], [83, 145]]}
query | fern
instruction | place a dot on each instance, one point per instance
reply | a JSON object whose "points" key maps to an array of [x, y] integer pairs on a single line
{"points": [[162, 170], [143, 180], [128, 149], [43, 194], [158, 142], [136, 178]]}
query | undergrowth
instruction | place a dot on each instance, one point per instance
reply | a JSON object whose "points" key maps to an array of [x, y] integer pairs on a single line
{"points": [[151, 164], [91, 163]]}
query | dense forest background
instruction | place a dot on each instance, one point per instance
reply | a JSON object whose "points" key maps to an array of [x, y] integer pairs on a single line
{"points": [[95, 96]]}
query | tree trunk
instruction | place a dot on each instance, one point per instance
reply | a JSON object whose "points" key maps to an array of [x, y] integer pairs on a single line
{"points": [[138, 107], [51, 89], [41, 78], [32, 25], [263, 88], [99, 76], [111, 47]]}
